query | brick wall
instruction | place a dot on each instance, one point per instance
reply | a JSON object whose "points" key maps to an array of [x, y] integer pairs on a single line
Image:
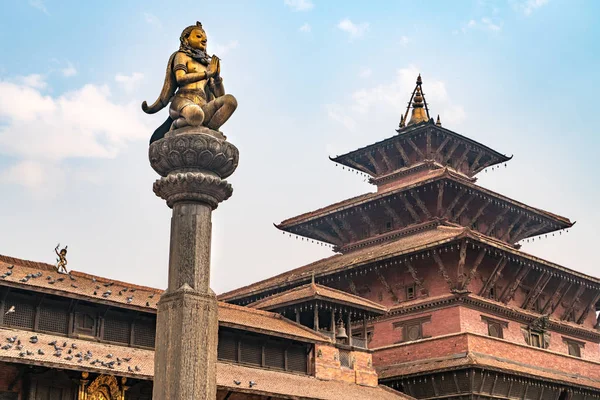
{"points": [[328, 366]]}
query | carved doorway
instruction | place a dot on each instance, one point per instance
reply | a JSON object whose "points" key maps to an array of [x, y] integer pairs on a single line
{"points": [[105, 387]]}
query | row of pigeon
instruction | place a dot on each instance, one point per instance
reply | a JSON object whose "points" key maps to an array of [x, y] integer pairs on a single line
{"points": [[72, 352], [97, 290]]}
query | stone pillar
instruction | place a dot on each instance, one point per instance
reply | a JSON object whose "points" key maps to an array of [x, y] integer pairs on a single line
{"points": [[193, 163]]}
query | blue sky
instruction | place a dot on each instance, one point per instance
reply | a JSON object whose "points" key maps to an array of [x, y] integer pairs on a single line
{"points": [[312, 79]]}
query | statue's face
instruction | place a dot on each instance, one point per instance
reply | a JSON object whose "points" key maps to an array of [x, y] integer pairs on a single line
{"points": [[197, 39]]}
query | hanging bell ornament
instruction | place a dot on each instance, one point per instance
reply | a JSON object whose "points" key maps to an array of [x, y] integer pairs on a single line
{"points": [[341, 331]]}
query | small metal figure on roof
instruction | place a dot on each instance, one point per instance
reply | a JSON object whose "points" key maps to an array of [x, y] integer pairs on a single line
{"points": [[61, 261]]}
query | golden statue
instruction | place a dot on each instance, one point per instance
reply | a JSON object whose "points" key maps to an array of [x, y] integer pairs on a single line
{"points": [[194, 87], [61, 261]]}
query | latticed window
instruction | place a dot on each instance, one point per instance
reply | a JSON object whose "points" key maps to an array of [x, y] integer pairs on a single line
{"points": [[574, 347], [251, 351], [495, 327], [297, 358], [85, 323], [116, 329], [412, 329], [24, 314], [410, 292], [54, 317], [144, 333], [275, 355], [345, 358], [227, 348], [414, 332]]}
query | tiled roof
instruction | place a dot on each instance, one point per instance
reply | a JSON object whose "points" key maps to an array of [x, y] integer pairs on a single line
{"points": [[415, 130], [338, 262], [294, 386], [77, 354], [314, 291], [83, 355], [413, 182], [94, 289], [485, 361], [265, 322]]}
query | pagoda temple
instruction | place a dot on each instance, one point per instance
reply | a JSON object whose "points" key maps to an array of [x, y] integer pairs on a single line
{"points": [[430, 277]]}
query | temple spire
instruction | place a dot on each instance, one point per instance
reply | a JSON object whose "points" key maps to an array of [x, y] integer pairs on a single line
{"points": [[420, 111], [438, 122]]}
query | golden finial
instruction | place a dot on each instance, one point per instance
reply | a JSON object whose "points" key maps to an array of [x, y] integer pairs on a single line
{"points": [[402, 121], [438, 122], [418, 114], [419, 80]]}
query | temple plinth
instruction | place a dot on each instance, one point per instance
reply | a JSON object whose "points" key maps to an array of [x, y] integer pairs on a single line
{"points": [[193, 163]]}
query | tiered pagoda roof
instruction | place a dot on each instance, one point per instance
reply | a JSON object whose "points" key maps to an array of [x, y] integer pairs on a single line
{"points": [[425, 173]]}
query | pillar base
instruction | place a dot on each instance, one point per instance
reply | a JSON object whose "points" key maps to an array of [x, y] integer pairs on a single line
{"points": [[186, 346]]}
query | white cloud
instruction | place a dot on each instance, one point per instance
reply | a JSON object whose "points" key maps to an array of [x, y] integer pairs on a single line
{"points": [[527, 7], [222, 49], [337, 113], [404, 40], [354, 30], [299, 5], [36, 81], [129, 82], [152, 20], [69, 70], [484, 24], [41, 131], [305, 28], [40, 5], [391, 97], [365, 72]]}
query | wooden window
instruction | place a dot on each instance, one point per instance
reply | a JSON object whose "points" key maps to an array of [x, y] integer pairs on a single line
{"points": [[262, 351], [388, 226], [574, 346], [536, 339], [493, 293], [410, 292], [495, 327], [24, 316], [53, 317], [85, 323], [144, 332], [412, 329], [117, 328], [346, 359]]}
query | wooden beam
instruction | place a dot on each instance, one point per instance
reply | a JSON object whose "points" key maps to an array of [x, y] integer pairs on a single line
{"points": [[530, 231], [420, 203], [367, 220], [386, 285], [464, 207], [511, 227], [440, 199], [413, 273], [491, 281], [460, 268], [386, 159], [586, 312], [415, 148], [393, 214], [324, 236], [522, 227], [375, 164], [476, 161], [342, 237], [352, 286], [400, 149], [574, 302], [450, 152], [428, 144], [360, 167], [510, 290], [410, 208], [478, 213], [454, 202], [498, 219], [462, 158], [536, 290], [556, 296], [442, 269], [473, 271], [484, 165], [348, 229], [438, 152]]}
